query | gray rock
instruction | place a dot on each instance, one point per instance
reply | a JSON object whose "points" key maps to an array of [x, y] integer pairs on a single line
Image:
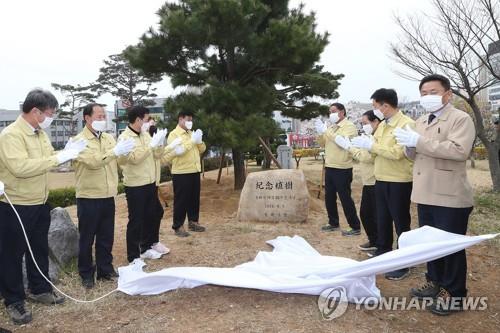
{"points": [[54, 271], [63, 237], [63, 243]]}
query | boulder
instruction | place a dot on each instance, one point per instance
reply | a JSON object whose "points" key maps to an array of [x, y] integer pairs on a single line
{"points": [[63, 237], [63, 243], [274, 196]]}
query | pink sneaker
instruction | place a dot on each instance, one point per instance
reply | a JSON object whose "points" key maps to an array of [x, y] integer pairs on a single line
{"points": [[160, 248]]}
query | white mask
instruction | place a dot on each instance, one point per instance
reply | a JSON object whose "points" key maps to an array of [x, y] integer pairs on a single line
{"points": [[99, 125], [46, 123], [368, 129], [145, 127], [378, 114], [334, 117], [188, 124], [431, 103]]}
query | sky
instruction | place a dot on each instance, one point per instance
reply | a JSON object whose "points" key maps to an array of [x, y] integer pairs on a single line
{"points": [[66, 41]]}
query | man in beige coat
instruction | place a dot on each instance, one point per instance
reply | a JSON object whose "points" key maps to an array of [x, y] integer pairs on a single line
{"points": [[440, 146]]}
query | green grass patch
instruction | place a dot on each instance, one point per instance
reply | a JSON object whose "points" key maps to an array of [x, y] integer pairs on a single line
{"points": [[485, 218]]}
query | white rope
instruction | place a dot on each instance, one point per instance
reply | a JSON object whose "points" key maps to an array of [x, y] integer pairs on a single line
{"points": [[40, 271]]}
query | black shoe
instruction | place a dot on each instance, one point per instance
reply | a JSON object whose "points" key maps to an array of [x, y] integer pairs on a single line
{"points": [[48, 298], [181, 232], [351, 232], [444, 304], [372, 253], [367, 247], [195, 226], [88, 283], [427, 290], [19, 314], [397, 275], [107, 276], [330, 227]]}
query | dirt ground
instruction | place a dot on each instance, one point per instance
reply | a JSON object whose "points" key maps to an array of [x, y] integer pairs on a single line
{"points": [[227, 243]]}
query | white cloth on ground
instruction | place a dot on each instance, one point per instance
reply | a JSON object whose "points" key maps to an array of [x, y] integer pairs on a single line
{"points": [[294, 266]]}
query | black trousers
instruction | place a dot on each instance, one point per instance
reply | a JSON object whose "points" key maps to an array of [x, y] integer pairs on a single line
{"points": [[96, 222], [449, 272], [36, 221], [368, 213], [393, 204], [144, 217], [338, 181], [186, 198]]}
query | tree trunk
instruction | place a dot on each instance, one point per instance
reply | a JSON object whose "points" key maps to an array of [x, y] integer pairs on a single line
{"points": [[472, 160], [222, 156], [239, 169], [491, 147], [266, 165], [493, 161]]}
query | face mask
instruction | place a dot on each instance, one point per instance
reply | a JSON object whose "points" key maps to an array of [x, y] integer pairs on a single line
{"points": [[334, 117], [188, 124], [368, 129], [145, 127], [378, 114], [46, 122], [431, 103], [99, 125]]}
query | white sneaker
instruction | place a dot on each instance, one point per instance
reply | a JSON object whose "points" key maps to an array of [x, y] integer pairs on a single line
{"points": [[151, 254], [160, 248]]}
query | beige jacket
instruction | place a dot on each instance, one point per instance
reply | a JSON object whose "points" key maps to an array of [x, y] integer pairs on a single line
{"points": [[25, 160], [439, 172], [335, 156], [96, 170]]}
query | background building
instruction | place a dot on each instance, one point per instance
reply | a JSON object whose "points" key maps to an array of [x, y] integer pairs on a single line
{"points": [[59, 132], [7, 117], [494, 90], [119, 121]]}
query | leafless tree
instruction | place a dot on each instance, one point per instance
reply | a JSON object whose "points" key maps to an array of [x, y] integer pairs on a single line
{"points": [[455, 41]]}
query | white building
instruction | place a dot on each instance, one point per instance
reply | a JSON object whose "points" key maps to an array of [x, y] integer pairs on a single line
{"points": [[59, 132], [7, 117], [156, 110], [356, 109], [494, 90], [412, 109]]}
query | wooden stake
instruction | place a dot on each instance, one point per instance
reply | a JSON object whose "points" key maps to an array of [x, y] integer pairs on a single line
{"points": [[269, 153], [222, 156], [322, 180]]}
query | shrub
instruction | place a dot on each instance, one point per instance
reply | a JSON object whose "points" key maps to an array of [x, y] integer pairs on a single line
{"points": [[121, 188], [62, 197], [213, 163], [480, 153], [306, 152]]}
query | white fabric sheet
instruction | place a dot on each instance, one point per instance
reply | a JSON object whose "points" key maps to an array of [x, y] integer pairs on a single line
{"points": [[294, 266]]}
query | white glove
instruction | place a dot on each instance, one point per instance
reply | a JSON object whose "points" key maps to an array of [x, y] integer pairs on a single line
{"points": [[157, 139], [66, 155], [197, 136], [177, 141], [363, 142], [406, 137], [2, 188], [123, 147], [321, 127], [164, 136], [179, 150], [343, 142], [78, 145]]}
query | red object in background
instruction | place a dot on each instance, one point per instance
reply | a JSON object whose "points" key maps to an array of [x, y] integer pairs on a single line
{"points": [[300, 140]]}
